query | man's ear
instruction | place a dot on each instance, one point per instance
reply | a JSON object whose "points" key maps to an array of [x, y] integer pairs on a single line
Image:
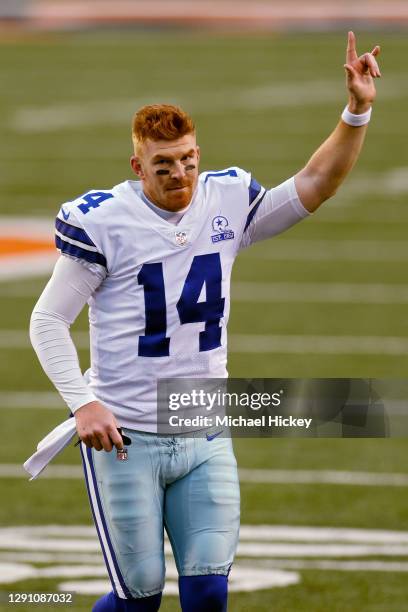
{"points": [[136, 165]]}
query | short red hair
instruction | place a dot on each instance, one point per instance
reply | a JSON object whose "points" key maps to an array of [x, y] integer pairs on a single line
{"points": [[160, 122]]}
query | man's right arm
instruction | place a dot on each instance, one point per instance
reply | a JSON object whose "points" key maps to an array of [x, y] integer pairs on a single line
{"points": [[68, 290]]}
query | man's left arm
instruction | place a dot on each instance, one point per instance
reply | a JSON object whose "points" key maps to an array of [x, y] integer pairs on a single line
{"points": [[334, 159]]}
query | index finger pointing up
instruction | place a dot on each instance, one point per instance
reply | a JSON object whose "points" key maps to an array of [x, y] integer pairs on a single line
{"points": [[351, 54]]}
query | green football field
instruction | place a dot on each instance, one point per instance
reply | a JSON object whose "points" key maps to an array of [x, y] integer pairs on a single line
{"points": [[326, 299]]}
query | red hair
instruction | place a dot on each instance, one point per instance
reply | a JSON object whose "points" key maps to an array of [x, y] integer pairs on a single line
{"points": [[160, 122]]}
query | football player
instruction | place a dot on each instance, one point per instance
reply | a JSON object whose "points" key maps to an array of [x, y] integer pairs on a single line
{"points": [[153, 259]]}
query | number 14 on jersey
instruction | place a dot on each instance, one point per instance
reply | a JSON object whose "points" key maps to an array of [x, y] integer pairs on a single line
{"points": [[205, 271]]}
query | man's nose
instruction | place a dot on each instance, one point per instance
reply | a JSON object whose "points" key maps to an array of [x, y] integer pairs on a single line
{"points": [[178, 170]]}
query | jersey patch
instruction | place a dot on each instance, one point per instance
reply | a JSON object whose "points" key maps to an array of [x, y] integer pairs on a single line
{"points": [[220, 226]]}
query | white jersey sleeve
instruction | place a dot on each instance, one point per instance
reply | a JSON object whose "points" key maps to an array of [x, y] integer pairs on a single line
{"points": [[66, 293], [272, 211]]}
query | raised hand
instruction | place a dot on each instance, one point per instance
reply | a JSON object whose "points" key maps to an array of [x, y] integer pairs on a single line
{"points": [[361, 72]]}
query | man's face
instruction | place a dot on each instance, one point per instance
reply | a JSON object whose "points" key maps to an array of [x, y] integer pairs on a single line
{"points": [[168, 170]]}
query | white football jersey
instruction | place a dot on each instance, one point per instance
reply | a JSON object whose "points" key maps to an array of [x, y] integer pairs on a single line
{"points": [[162, 308]]}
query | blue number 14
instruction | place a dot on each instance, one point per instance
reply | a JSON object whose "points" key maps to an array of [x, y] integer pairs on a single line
{"points": [[205, 271]]}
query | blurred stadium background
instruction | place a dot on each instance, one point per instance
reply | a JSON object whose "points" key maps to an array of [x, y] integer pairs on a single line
{"points": [[325, 522]]}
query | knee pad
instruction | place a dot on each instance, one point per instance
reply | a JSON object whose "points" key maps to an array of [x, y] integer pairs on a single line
{"points": [[203, 593], [113, 603]]}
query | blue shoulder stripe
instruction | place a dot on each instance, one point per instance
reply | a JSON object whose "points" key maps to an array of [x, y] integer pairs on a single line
{"points": [[230, 172], [253, 211], [76, 251], [254, 190], [70, 231]]}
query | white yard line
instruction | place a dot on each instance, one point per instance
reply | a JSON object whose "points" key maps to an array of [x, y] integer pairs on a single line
{"points": [[19, 339], [49, 400], [22, 266], [58, 472], [293, 533], [248, 476], [320, 293], [318, 345], [331, 250], [273, 344], [115, 111], [334, 477], [263, 549], [352, 293], [293, 94], [72, 552], [31, 399], [27, 227], [341, 566], [345, 566]]}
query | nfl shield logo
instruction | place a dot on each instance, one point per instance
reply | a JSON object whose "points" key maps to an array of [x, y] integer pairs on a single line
{"points": [[181, 238], [122, 454]]}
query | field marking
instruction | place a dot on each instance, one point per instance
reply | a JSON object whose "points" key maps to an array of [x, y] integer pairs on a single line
{"points": [[264, 556], [56, 539], [31, 400], [50, 400], [392, 182], [27, 227], [38, 262], [19, 339], [115, 111], [243, 578], [82, 539], [293, 533], [342, 566], [293, 94], [262, 549], [262, 343], [22, 266], [333, 477], [331, 250], [57, 117], [318, 345], [350, 293], [323, 292], [57, 472], [248, 476], [293, 291]]}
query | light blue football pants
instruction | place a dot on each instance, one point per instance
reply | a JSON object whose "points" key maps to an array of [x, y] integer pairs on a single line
{"points": [[188, 485]]}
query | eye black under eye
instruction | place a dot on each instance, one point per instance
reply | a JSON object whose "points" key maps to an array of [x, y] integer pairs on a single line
{"points": [[162, 172]]}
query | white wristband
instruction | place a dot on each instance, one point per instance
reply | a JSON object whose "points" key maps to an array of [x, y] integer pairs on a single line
{"points": [[356, 120]]}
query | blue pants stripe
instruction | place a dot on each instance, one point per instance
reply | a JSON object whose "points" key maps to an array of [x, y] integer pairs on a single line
{"points": [[116, 578]]}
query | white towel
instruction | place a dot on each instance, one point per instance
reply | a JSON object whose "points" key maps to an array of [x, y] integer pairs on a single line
{"points": [[50, 446]]}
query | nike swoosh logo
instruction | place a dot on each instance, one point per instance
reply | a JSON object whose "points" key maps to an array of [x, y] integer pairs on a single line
{"points": [[212, 436], [64, 214]]}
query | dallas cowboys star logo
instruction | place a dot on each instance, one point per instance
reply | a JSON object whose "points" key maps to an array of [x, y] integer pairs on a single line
{"points": [[219, 224]]}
